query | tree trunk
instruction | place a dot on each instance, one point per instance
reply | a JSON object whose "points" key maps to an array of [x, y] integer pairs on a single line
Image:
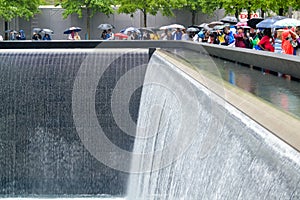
{"points": [[262, 13], [88, 17], [193, 17], [145, 17], [6, 28], [280, 11], [249, 13], [237, 13], [290, 12]]}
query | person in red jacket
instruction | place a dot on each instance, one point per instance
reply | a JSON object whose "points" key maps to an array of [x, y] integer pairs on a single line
{"points": [[267, 41], [286, 45]]}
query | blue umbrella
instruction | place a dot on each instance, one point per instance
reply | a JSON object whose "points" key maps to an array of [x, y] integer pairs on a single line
{"points": [[69, 30], [268, 22]]}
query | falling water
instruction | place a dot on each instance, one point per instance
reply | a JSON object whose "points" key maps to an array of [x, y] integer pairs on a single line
{"points": [[190, 144], [41, 152]]}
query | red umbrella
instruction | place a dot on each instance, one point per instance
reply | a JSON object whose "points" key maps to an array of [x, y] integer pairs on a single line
{"points": [[120, 36]]}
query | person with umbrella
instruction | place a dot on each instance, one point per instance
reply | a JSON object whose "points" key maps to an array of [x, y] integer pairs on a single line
{"points": [[12, 34], [74, 35], [297, 31], [71, 35], [21, 35], [239, 38], [265, 44], [166, 35], [103, 35], [47, 33], [107, 33], [177, 35], [46, 37], [110, 35], [36, 36]]}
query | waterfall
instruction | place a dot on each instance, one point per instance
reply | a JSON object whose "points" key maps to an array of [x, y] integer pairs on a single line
{"points": [[191, 144], [41, 151]]}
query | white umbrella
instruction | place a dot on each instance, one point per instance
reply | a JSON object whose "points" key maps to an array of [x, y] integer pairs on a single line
{"points": [[203, 25], [229, 19], [105, 26], [287, 22], [36, 30], [192, 29], [215, 23], [132, 29], [46, 30], [172, 26]]}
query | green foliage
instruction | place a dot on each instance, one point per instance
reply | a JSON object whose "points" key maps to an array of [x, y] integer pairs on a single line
{"points": [[209, 6], [77, 6], [10, 9], [150, 6]]}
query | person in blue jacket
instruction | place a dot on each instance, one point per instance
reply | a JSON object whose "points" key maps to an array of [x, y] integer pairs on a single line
{"points": [[21, 35], [46, 37]]}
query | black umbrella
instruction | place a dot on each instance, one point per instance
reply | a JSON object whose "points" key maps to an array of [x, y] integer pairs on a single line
{"points": [[229, 19], [253, 21], [69, 30]]}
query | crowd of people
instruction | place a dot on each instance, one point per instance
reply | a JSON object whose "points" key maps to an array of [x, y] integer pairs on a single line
{"points": [[20, 35], [286, 40]]}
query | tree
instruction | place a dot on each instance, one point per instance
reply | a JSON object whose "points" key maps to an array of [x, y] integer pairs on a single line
{"points": [[281, 7], [12, 9], [194, 6], [151, 7], [210, 6], [25, 9], [90, 6]]}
